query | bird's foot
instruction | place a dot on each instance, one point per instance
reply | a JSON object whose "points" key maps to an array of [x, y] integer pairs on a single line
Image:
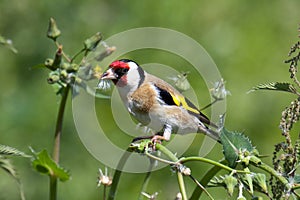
{"points": [[157, 139]]}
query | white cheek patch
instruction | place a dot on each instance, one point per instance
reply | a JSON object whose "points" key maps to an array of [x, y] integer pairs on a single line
{"points": [[133, 76]]}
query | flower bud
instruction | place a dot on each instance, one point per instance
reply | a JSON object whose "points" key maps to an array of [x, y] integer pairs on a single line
{"points": [[53, 31], [53, 78], [260, 180], [49, 64], [91, 43], [230, 182]]}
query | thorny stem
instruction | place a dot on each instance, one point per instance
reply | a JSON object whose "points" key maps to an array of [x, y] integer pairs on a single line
{"points": [[57, 137]]}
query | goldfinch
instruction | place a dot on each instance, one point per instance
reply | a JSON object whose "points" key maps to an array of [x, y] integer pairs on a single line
{"points": [[155, 103]]}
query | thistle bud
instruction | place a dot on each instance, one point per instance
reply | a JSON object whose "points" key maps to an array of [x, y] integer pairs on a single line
{"points": [[49, 64], [53, 78], [53, 31], [260, 180], [247, 178], [230, 182], [91, 43]]}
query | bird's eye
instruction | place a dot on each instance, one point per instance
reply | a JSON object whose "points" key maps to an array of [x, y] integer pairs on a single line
{"points": [[121, 71]]}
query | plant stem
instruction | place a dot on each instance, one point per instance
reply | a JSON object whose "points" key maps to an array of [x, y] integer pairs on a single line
{"points": [[257, 163], [53, 187], [181, 185], [118, 173], [169, 154], [57, 136], [104, 192], [202, 188], [201, 159], [147, 179], [205, 180], [160, 159]]}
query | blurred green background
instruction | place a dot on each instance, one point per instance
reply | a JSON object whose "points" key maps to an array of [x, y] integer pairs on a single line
{"points": [[248, 40]]}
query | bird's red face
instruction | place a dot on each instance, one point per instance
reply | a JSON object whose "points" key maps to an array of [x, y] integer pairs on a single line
{"points": [[117, 72]]}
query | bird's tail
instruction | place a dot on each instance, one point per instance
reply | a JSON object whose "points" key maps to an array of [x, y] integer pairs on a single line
{"points": [[211, 133]]}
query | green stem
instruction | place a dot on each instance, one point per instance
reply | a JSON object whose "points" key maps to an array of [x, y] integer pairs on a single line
{"points": [[210, 104], [296, 186], [201, 187], [181, 185], [53, 187], [201, 159], [77, 54], [147, 178], [205, 180], [169, 154], [104, 192], [257, 163], [160, 159], [57, 137], [296, 194], [117, 174]]}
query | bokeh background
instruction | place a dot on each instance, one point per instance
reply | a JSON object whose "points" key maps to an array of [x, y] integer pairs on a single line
{"points": [[248, 40]]}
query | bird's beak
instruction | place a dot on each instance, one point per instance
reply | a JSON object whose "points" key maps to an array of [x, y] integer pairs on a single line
{"points": [[109, 74]]}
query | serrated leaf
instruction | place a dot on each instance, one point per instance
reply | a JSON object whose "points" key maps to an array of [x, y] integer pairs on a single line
{"points": [[7, 150], [45, 165], [297, 178], [233, 142], [286, 87]]}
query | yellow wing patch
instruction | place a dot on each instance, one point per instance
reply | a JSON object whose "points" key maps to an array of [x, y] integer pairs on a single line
{"points": [[180, 101]]}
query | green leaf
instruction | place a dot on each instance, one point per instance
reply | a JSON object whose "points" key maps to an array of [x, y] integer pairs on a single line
{"points": [[41, 65], [286, 87], [233, 143], [7, 150], [45, 165], [297, 178]]}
